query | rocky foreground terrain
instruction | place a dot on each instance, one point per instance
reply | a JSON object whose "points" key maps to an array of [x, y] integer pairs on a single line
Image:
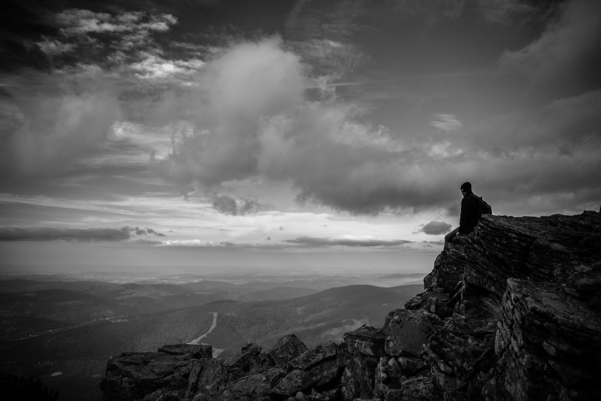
{"points": [[510, 312]]}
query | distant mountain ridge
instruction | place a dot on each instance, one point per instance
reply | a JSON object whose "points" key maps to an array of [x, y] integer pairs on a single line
{"points": [[107, 318]]}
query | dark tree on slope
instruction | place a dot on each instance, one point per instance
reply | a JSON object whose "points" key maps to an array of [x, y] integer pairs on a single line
{"points": [[17, 388]]}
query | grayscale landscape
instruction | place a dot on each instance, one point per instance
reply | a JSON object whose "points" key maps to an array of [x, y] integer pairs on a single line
{"points": [[308, 200]]}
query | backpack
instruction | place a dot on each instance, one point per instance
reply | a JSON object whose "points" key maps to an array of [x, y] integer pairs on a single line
{"points": [[483, 207]]}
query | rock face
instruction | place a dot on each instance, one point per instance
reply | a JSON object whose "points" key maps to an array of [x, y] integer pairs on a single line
{"points": [[147, 376], [510, 312]]}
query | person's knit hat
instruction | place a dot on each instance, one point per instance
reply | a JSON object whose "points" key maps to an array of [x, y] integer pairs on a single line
{"points": [[466, 187]]}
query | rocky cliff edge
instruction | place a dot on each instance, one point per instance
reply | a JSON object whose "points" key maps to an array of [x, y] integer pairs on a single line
{"points": [[510, 312]]}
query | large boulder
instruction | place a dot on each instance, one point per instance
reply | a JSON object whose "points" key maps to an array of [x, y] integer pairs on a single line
{"points": [[358, 378], [250, 360], [208, 377], [135, 375], [314, 356], [406, 332], [316, 369], [291, 384], [433, 300], [366, 340], [286, 349], [252, 386]]}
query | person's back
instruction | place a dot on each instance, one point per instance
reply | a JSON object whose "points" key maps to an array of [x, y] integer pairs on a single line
{"points": [[470, 206], [470, 214]]}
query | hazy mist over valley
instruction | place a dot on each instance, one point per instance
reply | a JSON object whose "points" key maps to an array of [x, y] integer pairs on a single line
{"points": [[62, 329]]}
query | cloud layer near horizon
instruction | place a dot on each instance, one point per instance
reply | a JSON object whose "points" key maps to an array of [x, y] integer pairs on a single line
{"points": [[75, 234], [352, 241]]}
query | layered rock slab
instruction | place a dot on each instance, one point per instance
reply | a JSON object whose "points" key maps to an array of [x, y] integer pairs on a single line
{"points": [[549, 343], [135, 375], [565, 250]]}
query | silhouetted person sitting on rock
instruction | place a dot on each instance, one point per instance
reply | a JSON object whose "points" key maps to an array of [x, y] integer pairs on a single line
{"points": [[470, 206]]}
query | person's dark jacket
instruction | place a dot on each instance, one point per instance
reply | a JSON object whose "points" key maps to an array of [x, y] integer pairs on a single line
{"points": [[469, 217]]}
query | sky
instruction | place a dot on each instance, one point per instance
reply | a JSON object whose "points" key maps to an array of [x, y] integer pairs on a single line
{"points": [[287, 133]]}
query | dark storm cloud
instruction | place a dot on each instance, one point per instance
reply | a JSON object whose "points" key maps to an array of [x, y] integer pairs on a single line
{"points": [[435, 228], [354, 242], [567, 56], [76, 234]]}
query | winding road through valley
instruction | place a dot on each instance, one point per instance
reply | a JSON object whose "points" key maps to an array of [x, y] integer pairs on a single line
{"points": [[196, 341]]}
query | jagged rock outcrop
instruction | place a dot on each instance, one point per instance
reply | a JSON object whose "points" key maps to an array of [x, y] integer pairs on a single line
{"points": [[510, 312], [148, 375], [549, 343]]}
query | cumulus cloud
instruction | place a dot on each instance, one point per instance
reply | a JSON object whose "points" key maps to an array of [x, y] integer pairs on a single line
{"points": [[225, 204], [125, 41], [348, 240], [153, 66], [76, 234], [435, 228], [231, 206], [567, 55], [78, 21], [253, 118], [54, 47]]}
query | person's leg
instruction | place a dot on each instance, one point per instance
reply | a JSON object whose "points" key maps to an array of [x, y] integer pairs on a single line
{"points": [[449, 237]]}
